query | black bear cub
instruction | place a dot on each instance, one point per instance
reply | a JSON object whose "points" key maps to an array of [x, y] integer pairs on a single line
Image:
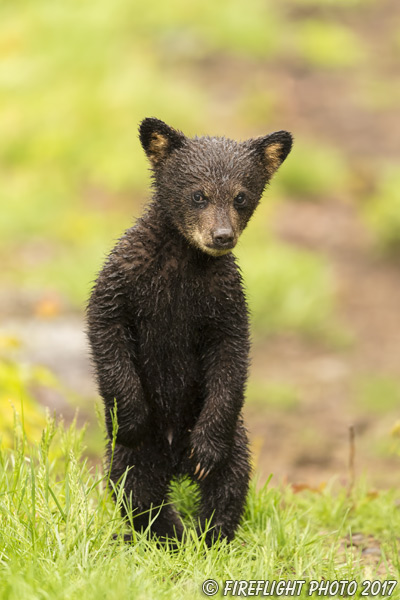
{"points": [[168, 329]]}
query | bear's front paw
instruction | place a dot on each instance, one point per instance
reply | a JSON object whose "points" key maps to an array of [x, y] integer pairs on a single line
{"points": [[205, 454]]}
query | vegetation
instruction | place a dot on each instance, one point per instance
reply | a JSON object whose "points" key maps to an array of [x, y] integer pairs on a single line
{"points": [[382, 213], [58, 524], [14, 382], [329, 45]]}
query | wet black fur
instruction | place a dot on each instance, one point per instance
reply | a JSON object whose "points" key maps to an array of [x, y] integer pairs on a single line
{"points": [[168, 329]]}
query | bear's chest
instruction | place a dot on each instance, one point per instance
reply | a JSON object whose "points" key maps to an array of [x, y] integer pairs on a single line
{"points": [[171, 312], [169, 326], [175, 296]]}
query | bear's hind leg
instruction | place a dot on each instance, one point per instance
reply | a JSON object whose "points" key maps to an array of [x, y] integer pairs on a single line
{"points": [[146, 502], [224, 492]]}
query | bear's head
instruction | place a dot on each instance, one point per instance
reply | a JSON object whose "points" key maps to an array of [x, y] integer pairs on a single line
{"points": [[208, 187]]}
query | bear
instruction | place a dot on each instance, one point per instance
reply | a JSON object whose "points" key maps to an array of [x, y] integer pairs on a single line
{"points": [[168, 329]]}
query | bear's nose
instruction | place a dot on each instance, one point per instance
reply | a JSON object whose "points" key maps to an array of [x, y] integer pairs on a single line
{"points": [[223, 237]]}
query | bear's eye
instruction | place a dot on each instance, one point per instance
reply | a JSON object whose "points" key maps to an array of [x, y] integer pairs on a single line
{"points": [[240, 200], [199, 199]]}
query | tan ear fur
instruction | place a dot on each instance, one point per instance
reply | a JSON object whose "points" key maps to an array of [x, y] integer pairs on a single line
{"points": [[273, 154], [158, 147], [159, 140], [273, 149]]}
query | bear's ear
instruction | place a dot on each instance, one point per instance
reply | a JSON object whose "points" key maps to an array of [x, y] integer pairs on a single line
{"points": [[273, 149], [159, 140]]}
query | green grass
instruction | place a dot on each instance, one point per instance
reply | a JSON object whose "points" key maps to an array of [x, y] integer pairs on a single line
{"points": [[377, 394], [275, 395], [324, 44], [288, 289], [16, 383], [313, 171], [21, 383], [382, 213], [58, 521]]}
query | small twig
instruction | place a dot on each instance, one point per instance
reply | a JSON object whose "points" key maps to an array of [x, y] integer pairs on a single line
{"points": [[352, 452]]}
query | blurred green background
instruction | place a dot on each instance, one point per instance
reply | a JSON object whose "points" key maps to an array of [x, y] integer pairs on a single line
{"points": [[320, 258]]}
